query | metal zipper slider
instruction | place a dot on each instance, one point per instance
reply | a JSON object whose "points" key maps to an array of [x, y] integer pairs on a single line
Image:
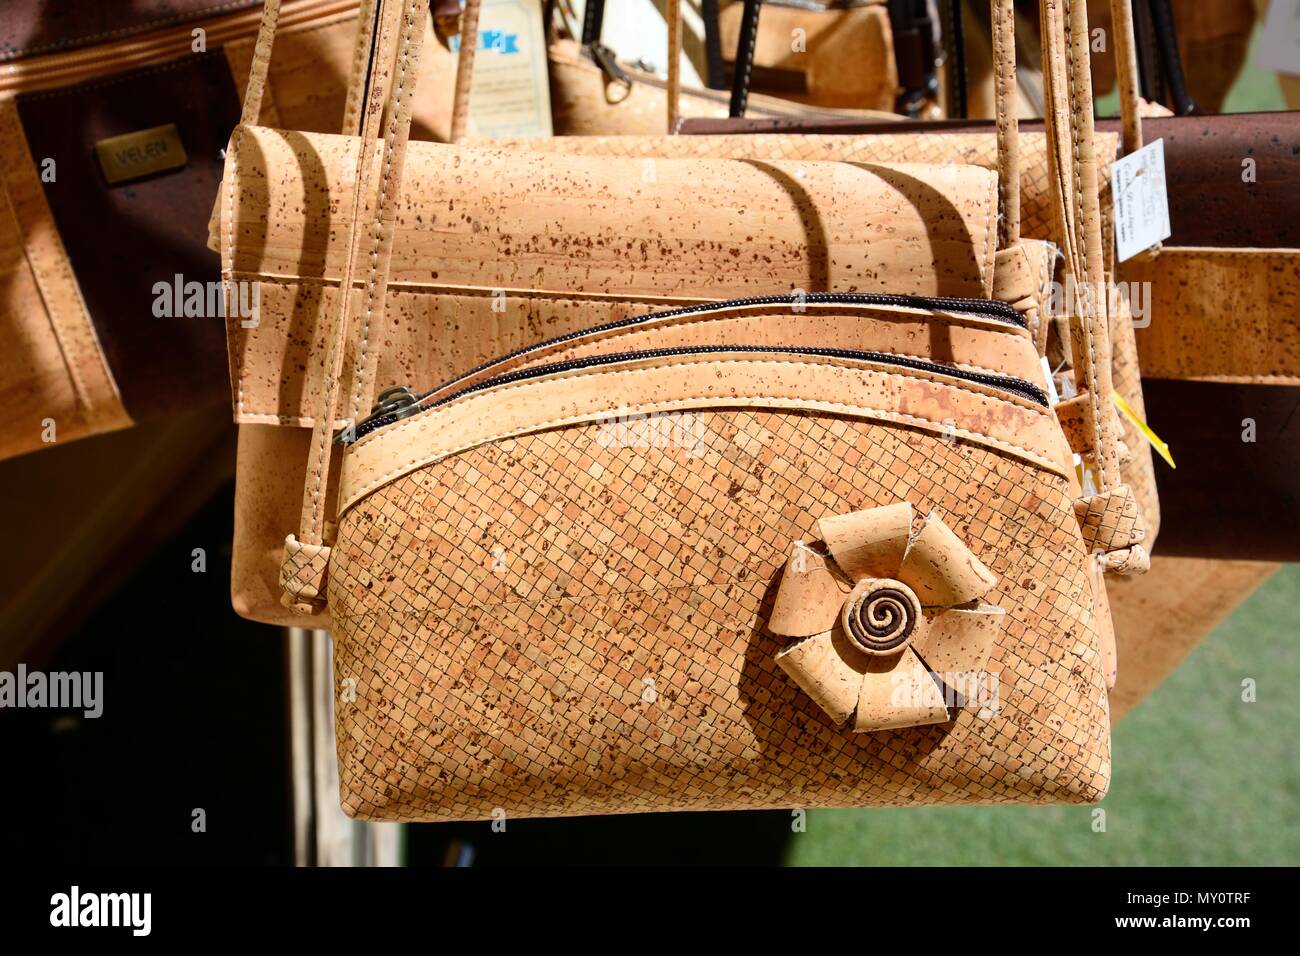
{"points": [[393, 404], [616, 78]]}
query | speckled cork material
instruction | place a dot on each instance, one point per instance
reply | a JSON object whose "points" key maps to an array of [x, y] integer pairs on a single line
{"points": [[494, 249], [539, 619], [52, 366], [582, 629]]}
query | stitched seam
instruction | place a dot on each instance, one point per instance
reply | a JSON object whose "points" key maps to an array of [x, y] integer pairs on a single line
{"points": [[317, 475], [990, 230], [359, 369], [913, 374], [67, 348], [1080, 219], [177, 19], [232, 165], [1046, 270], [1039, 458], [287, 280], [365, 23]]}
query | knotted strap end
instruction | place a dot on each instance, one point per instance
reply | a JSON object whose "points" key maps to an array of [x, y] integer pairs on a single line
{"points": [[303, 575], [1113, 528]]}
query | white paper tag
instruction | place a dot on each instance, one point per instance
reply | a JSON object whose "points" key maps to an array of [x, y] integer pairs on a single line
{"points": [[1279, 44], [510, 95], [1052, 394], [1141, 205]]}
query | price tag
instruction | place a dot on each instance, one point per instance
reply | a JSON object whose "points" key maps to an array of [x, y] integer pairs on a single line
{"points": [[510, 95], [1141, 204]]}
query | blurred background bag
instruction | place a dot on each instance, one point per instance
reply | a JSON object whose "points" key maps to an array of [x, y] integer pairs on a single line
{"points": [[112, 122]]}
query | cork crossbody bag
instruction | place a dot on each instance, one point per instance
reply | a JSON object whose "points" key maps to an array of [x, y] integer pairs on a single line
{"points": [[791, 549]]}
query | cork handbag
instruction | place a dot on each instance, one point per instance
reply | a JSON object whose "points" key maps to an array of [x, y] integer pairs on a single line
{"points": [[540, 615], [481, 302], [844, 58], [594, 93]]}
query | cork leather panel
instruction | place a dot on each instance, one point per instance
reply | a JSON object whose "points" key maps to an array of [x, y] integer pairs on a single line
{"points": [[52, 366], [539, 232], [1221, 315], [502, 611], [882, 146], [960, 409]]}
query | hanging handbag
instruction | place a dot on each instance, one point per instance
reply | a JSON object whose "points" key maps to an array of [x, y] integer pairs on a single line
{"points": [[541, 620], [838, 53], [275, 378], [594, 93]]}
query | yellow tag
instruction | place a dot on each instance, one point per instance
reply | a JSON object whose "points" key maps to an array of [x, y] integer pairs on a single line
{"points": [[1144, 428], [141, 153]]}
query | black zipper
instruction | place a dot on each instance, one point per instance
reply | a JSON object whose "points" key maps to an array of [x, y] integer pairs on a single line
{"points": [[999, 311], [400, 402], [389, 413]]}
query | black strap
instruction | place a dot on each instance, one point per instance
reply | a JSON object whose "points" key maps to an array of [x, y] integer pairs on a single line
{"points": [[914, 54], [1162, 16], [714, 66], [746, 45], [954, 38], [593, 19], [1150, 81]]}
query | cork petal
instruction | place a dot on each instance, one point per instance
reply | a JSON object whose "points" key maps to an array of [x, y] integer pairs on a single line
{"points": [[809, 597], [869, 543], [898, 692], [828, 669], [941, 569], [960, 639]]}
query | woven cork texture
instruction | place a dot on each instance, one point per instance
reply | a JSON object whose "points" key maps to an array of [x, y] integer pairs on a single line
{"points": [[558, 624]]}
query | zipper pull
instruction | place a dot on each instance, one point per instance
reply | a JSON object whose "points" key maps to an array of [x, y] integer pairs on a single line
{"points": [[616, 79], [394, 403]]}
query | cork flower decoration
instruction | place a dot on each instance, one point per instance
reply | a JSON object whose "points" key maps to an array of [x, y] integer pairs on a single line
{"points": [[880, 613]]}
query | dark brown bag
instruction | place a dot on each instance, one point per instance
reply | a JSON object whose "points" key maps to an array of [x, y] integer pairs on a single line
{"points": [[113, 119]]}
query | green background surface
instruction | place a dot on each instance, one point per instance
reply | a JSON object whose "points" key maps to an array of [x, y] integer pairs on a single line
{"points": [[1200, 776]]}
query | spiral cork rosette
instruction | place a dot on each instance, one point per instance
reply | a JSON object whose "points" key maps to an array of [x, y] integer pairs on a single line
{"points": [[881, 615]]}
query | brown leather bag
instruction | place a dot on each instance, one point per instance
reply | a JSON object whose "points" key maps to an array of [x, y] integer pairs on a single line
{"points": [[106, 308], [531, 681]]}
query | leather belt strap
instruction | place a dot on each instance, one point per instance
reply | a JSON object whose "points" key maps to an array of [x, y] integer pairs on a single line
{"points": [[1067, 83]]}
